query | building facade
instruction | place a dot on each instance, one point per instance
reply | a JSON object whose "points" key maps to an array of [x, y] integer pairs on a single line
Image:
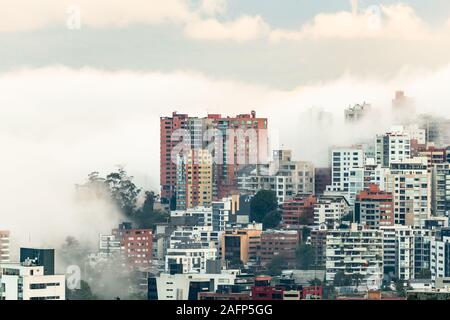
{"points": [[354, 251]]}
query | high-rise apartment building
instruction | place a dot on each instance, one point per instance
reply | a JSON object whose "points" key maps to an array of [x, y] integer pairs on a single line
{"points": [[278, 243], [239, 141], [284, 176], [194, 179], [168, 167], [299, 211], [374, 208], [440, 192], [434, 155], [410, 183], [392, 146], [347, 172], [357, 112], [4, 246], [233, 143], [136, 245], [355, 251], [330, 210]]}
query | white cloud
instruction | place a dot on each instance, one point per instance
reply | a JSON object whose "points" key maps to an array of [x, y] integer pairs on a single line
{"points": [[59, 124], [200, 20], [388, 22], [244, 28]]}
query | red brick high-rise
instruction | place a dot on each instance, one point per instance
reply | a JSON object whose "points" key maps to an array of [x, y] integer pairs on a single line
{"points": [[374, 208], [238, 141], [298, 211], [136, 245], [249, 149], [168, 167]]}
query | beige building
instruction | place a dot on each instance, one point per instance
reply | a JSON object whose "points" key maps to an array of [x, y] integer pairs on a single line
{"points": [[241, 244], [194, 179], [4, 246], [410, 184]]}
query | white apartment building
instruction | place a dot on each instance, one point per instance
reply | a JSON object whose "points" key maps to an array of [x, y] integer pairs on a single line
{"points": [[374, 174], [413, 131], [347, 172], [22, 282], [4, 246], [186, 286], [406, 251], [192, 257], [224, 211], [441, 190], [392, 146], [109, 245], [285, 177], [202, 214], [329, 210], [410, 183], [206, 236], [354, 251], [440, 257]]}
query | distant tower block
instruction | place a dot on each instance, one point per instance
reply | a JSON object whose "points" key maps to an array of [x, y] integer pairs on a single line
{"points": [[403, 109]]}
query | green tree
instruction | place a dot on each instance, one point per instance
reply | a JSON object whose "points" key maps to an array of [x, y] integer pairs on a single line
{"points": [[400, 287], [123, 191], [272, 219], [305, 257], [262, 203], [276, 265]]}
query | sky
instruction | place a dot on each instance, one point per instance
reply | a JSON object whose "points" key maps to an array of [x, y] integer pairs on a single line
{"points": [[281, 44], [83, 84]]}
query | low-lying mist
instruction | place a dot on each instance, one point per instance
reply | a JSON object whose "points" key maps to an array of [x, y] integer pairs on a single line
{"points": [[57, 125]]}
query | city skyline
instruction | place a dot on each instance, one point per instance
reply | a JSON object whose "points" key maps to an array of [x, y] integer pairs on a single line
{"points": [[311, 130]]}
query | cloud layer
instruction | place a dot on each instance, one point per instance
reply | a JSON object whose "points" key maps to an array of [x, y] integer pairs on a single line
{"points": [[59, 124], [203, 20]]}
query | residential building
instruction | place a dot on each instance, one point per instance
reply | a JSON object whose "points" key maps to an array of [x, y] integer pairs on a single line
{"points": [[4, 246], [284, 176], [27, 281], [440, 192], [278, 243], [239, 141], [168, 165], [194, 179], [406, 252], [410, 183], [434, 155], [186, 286], [225, 212], [330, 210], [192, 257], [392, 146], [440, 256], [136, 245], [357, 112], [374, 208], [355, 251], [318, 241], [347, 172], [299, 211], [39, 257], [322, 179], [241, 244]]}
